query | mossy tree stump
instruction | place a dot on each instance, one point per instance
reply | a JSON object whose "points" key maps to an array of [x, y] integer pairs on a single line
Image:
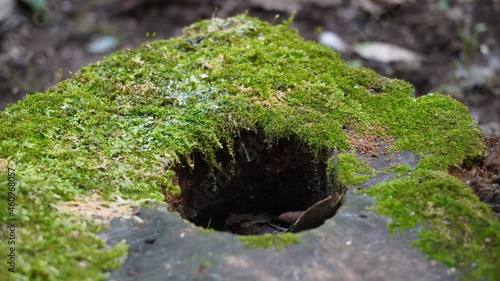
{"points": [[138, 124]]}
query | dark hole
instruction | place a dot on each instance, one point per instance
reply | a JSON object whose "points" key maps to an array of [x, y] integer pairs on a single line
{"points": [[150, 241], [260, 181]]}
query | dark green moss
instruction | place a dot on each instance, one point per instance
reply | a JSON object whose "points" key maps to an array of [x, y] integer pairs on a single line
{"points": [[111, 127]]}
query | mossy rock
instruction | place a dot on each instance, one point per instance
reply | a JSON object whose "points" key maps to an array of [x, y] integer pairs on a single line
{"points": [[125, 126]]}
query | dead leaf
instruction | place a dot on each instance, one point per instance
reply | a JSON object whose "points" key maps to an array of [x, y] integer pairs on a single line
{"points": [[318, 213]]}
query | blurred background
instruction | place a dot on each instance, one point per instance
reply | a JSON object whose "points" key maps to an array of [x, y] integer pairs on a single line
{"points": [[449, 47]]}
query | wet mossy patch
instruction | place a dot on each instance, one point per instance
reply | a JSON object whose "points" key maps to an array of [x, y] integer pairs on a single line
{"points": [[129, 125]]}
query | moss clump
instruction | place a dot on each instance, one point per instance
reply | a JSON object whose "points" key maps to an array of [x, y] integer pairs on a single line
{"points": [[271, 240], [112, 127], [352, 171], [454, 226]]}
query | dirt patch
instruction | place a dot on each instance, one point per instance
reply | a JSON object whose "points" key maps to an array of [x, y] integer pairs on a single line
{"points": [[256, 180], [483, 176], [369, 141]]}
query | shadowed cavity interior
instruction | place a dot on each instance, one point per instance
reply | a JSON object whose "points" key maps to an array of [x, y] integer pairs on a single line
{"points": [[253, 176]]}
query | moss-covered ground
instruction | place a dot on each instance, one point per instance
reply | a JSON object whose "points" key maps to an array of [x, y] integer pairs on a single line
{"points": [[111, 128]]}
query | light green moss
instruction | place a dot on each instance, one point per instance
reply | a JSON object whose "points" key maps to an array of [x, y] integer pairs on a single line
{"points": [[401, 169], [266, 241], [111, 127], [454, 226], [352, 171]]}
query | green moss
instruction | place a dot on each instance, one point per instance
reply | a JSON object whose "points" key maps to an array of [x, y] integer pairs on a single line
{"points": [[111, 127], [454, 226], [271, 240], [352, 171], [401, 169]]}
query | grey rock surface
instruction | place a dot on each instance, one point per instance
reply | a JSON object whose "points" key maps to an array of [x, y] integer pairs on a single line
{"points": [[353, 245], [8, 7]]}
